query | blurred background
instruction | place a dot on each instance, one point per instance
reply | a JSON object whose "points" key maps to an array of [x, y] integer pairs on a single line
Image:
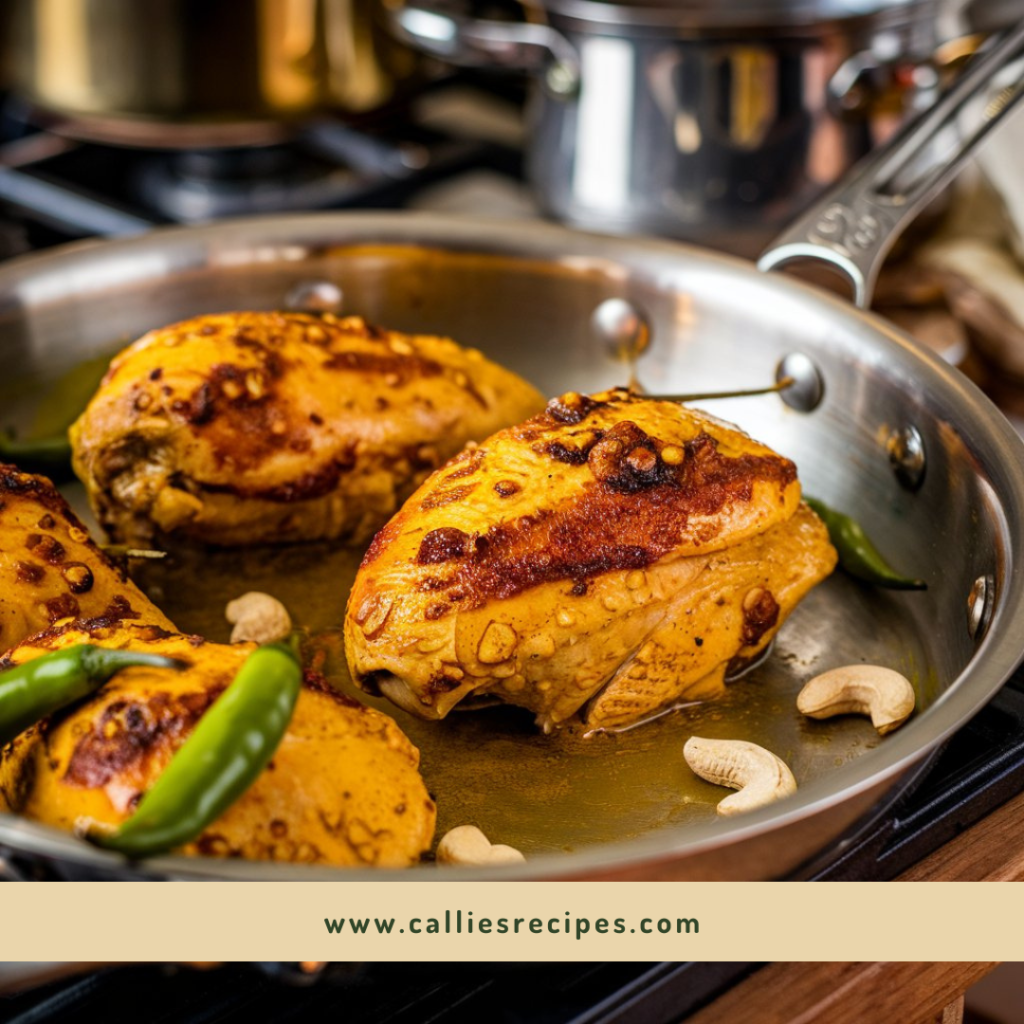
{"points": [[703, 121]]}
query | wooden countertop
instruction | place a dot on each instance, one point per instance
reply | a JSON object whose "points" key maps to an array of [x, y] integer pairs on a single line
{"points": [[863, 993], [992, 850], [847, 993]]}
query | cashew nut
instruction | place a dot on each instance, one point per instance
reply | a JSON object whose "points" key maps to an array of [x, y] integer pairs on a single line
{"points": [[257, 616], [758, 774], [466, 844], [883, 694]]}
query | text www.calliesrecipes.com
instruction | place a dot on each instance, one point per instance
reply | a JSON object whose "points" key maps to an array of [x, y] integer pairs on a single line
{"points": [[458, 922]]}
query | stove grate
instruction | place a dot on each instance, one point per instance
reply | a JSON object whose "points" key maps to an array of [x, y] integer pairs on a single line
{"points": [[567, 993]]}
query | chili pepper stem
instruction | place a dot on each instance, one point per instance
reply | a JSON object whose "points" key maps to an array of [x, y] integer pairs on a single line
{"points": [[103, 662], [707, 396], [36, 688]]}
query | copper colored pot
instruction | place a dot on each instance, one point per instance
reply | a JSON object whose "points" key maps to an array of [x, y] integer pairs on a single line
{"points": [[197, 70]]}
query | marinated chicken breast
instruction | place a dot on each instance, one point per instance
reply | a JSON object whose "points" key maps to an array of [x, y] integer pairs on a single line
{"points": [[608, 558], [241, 428], [50, 569], [343, 788]]}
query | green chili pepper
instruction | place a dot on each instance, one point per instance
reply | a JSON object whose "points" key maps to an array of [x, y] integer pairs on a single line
{"points": [[227, 750], [35, 689], [67, 396], [50, 456], [47, 450], [857, 554]]}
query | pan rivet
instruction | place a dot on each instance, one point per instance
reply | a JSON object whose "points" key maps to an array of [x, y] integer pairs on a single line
{"points": [[622, 328], [906, 456], [979, 606], [314, 296], [807, 389]]}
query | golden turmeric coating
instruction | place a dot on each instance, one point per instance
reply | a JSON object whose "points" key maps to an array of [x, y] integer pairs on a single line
{"points": [[609, 557], [241, 428], [50, 569], [343, 788]]}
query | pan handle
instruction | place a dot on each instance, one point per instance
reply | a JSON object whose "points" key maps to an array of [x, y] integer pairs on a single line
{"points": [[854, 225]]}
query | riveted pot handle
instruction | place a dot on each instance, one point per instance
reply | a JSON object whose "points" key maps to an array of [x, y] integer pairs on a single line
{"points": [[855, 224], [479, 42]]}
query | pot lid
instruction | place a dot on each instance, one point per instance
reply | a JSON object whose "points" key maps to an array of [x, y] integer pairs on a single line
{"points": [[726, 14]]}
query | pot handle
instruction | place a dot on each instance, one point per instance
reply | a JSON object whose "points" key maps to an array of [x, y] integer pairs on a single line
{"points": [[479, 42], [854, 225]]}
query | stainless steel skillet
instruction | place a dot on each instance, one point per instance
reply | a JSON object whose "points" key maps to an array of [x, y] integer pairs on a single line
{"points": [[625, 806]]}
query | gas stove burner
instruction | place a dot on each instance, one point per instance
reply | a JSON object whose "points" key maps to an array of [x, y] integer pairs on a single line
{"points": [[79, 188], [327, 164], [146, 133], [67, 178], [198, 185], [199, 133]]}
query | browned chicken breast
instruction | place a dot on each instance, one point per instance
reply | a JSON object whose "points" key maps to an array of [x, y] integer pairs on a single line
{"points": [[50, 569], [242, 428], [343, 788], [609, 557]]}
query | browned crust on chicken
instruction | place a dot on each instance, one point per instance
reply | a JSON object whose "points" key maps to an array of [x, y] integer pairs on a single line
{"points": [[627, 507], [603, 529], [343, 787], [250, 427], [555, 559], [50, 569]]}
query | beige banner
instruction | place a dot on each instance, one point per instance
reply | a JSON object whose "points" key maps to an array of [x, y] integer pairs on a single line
{"points": [[395, 921]]}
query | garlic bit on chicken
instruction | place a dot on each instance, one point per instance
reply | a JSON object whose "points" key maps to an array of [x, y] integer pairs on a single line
{"points": [[884, 695], [258, 617], [467, 845], [760, 776]]}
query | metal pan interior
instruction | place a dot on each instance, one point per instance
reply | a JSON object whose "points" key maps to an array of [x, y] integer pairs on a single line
{"points": [[620, 805]]}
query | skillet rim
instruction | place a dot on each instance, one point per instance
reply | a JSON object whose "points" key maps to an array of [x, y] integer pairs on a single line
{"points": [[982, 425]]}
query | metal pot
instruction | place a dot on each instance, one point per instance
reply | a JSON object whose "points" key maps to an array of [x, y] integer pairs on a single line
{"points": [[895, 436], [711, 122], [204, 70]]}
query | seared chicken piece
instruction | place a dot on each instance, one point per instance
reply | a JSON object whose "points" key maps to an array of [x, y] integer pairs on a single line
{"points": [[243, 428], [609, 557], [50, 569], [343, 788]]}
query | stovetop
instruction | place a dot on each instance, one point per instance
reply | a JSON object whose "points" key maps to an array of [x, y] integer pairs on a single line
{"points": [[576, 993], [459, 135]]}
